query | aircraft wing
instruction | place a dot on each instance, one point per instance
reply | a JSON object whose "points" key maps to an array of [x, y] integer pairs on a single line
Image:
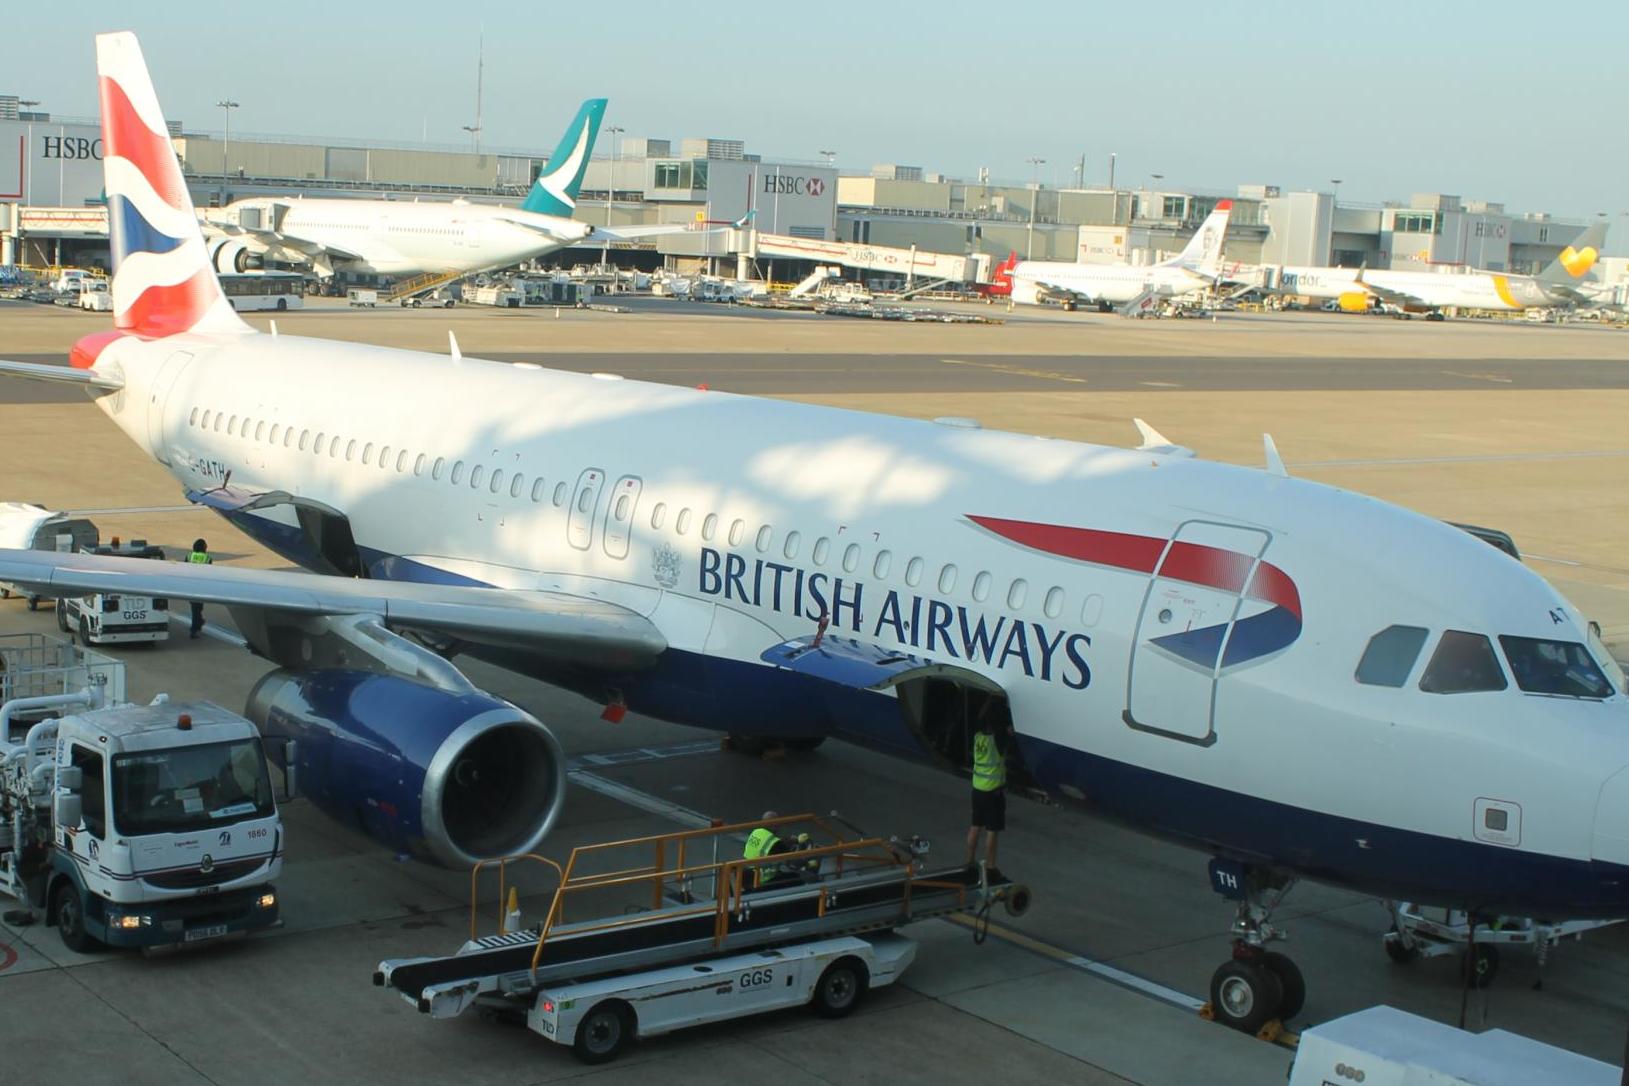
{"points": [[271, 239], [567, 628]]}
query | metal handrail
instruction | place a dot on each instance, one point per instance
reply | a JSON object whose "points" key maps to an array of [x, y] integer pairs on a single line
{"points": [[729, 875]]}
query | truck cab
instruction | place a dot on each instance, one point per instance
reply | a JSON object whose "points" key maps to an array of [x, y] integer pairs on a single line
{"points": [[117, 618], [143, 825]]}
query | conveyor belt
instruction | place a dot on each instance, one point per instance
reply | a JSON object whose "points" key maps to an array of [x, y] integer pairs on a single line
{"points": [[774, 915]]}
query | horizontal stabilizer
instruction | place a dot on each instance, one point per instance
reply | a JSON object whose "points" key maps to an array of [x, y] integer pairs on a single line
{"points": [[96, 384]]}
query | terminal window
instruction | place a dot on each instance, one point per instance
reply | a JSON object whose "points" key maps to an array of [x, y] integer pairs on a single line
{"points": [[1416, 222]]}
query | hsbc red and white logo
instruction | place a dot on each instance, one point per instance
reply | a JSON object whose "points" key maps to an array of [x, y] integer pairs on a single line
{"points": [[786, 184]]}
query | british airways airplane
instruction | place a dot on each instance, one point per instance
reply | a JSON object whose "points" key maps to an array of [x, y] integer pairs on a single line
{"points": [[1299, 680]]}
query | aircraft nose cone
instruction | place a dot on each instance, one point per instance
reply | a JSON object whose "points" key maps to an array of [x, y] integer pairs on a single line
{"points": [[1612, 820]]}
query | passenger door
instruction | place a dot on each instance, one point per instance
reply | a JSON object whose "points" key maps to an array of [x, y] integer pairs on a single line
{"points": [[157, 434], [584, 502], [619, 514], [1188, 616]]}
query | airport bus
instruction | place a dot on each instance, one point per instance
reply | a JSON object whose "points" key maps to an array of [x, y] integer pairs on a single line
{"points": [[264, 290]]}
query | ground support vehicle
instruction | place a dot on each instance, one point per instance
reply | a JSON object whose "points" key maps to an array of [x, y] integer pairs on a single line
{"points": [[1421, 932], [1383, 1046], [135, 825], [34, 527], [659, 939], [109, 619]]}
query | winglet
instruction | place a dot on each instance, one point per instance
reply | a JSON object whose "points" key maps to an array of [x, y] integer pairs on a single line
{"points": [[1158, 443], [452, 345], [1152, 438], [1275, 462]]}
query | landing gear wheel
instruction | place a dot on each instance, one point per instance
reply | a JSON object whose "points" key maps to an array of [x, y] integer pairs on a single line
{"points": [[69, 914], [1294, 985], [1400, 952], [1484, 964], [603, 1033], [1245, 995], [840, 988]]}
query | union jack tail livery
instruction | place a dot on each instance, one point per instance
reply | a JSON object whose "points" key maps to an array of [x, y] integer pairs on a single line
{"points": [[162, 282]]}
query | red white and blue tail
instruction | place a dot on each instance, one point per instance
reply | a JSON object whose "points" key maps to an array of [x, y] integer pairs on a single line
{"points": [[162, 281]]}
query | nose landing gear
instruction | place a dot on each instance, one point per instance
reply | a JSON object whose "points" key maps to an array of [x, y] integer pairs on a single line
{"points": [[1257, 987]]}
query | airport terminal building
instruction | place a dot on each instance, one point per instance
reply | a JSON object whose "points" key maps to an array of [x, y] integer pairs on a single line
{"points": [[51, 213]]}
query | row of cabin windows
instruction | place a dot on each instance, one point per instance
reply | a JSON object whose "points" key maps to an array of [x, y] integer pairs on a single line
{"points": [[881, 566], [388, 456]]}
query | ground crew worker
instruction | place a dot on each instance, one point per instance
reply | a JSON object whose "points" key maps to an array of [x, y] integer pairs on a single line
{"points": [[990, 743], [762, 842], [199, 557]]}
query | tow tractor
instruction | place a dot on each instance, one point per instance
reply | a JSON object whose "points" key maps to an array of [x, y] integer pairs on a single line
{"points": [[108, 618], [130, 825], [1421, 932], [663, 933]]}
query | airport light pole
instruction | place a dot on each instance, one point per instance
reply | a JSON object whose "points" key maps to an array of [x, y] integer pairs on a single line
{"points": [[226, 107], [610, 195], [1154, 180], [1036, 162], [830, 157]]}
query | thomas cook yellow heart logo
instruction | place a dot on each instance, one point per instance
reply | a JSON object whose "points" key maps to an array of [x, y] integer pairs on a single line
{"points": [[1578, 261]]}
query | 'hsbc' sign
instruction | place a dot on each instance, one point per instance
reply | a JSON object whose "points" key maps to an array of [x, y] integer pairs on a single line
{"points": [[786, 184], [70, 147]]}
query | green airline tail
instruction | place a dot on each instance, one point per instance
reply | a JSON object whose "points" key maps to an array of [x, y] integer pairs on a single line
{"points": [[555, 192]]}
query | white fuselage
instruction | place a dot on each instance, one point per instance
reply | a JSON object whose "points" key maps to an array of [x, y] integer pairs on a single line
{"points": [[1464, 290], [733, 523], [400, 238], [1035, 281]]}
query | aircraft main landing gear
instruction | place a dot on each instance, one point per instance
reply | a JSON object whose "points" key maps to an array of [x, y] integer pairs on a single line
{"points": [[1257, 986]]}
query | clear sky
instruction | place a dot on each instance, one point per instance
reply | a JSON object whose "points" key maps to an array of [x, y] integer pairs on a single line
{"points": [[1514, 102]]}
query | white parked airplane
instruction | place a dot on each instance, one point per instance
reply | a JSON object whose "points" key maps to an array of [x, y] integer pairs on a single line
{"points": [[404, 238], [1070, 284], [1356, 289], [1299, 680]]}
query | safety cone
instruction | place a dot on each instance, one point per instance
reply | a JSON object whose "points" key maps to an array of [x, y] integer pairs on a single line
{"points": [[511, 913]]}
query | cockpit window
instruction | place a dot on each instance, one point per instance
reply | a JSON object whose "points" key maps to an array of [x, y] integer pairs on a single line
{"points": [[1609, 664], [1390, 656], [1463, 664], [1563, 668]]}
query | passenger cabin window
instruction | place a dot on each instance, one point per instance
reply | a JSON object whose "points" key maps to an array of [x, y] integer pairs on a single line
{"points": [[947, 580], [658, 515], [559, 494], [682, 525], [766, 536], [401, 462], [851, 558], [537, 489], [305, 439], [435, 471], [276, 432], [709, 525], [1390, 656], [384, 458], [881, 566], [418, 464], [457, 475], [476, 475], [913, 572], [981, 587], [794, 540], [822, 547], [350, 449], [1561, 668], [367, 453], [738, 532], [1017, 594], [516, 485], [192, 419], [1464, 663], [497, 480], [1053, 606], [260, 430], [288, 438]]}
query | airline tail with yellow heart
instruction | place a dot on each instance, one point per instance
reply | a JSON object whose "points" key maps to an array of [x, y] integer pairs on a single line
{"points": [[1576, 259]]}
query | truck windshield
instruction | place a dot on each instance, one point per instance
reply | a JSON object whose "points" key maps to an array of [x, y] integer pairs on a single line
{"points": [[190, 788]]}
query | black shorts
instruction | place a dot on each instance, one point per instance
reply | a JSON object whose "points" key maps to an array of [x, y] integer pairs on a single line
{"points": [[990, 809]]}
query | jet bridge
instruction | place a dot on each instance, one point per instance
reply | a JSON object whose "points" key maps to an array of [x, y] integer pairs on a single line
{"points": [[680, 902], [914, 264]]}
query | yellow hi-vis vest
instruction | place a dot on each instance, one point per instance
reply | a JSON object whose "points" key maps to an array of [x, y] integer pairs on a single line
{"points": [[200, 558], [989, 766], [759, 842]]}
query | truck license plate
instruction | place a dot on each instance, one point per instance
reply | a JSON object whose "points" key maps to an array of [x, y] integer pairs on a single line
{"points": [[213, 931]]}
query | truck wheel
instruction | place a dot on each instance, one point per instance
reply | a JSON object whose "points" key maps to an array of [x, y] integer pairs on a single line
{"points": [[84, 631], [604, 1032], [69, 913], [840, 988], [62, 617], [33, 603]]}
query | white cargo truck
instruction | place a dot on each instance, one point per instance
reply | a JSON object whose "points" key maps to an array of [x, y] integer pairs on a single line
{"points": [[110, 618], [24, 526], [133, 825]]}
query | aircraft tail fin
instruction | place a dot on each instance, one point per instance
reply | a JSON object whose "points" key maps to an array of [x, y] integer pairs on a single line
{"points": [[1576, 259], [1001, 275], [555, 192], [162, 282], [1203, 253]]}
